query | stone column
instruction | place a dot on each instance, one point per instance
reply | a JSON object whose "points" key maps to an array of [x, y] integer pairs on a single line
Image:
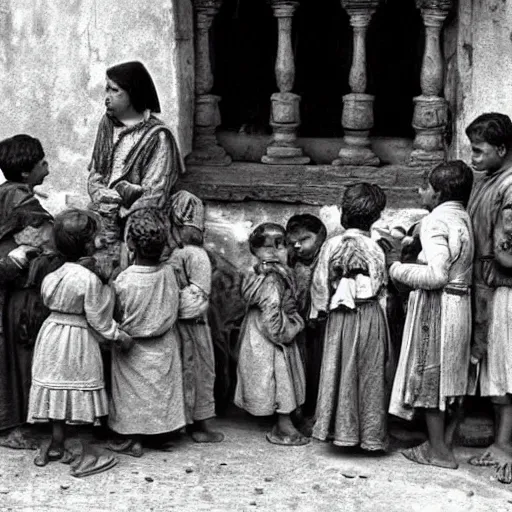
{"points": [[357, 117], [285, 113], [205, 148], [430, 109]]}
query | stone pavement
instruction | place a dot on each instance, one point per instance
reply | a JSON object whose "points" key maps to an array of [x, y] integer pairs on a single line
{"points": [[246, 473]]}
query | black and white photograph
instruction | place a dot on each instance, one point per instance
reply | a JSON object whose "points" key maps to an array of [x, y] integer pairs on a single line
{"points": [[256, 255]]}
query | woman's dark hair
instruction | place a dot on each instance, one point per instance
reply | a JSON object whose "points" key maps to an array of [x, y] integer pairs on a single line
{"points": [[19, 154], [146, 229], [362, 205], [260, 233], [74, 231], [454, 181], [493, 128], [135, 79], [308, 222]]}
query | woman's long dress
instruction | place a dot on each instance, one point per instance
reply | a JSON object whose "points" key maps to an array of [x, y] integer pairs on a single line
{"points": [[434, 359], [147, 386], [67, 371], [352, 401]]}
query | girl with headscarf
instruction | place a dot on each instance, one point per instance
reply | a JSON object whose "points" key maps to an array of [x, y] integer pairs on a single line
{"points": [[135, 161]]}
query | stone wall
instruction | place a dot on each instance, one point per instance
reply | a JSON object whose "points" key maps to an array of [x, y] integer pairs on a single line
{"points": [[53, 58]]}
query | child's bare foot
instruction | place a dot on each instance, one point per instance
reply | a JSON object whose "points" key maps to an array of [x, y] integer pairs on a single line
{"points": [[48, 451], [425, 454], [285, 433], [127, 447], [201, 432]]}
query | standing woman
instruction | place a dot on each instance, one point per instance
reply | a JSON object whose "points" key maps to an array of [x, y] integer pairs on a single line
{"points": [[135, 161]]}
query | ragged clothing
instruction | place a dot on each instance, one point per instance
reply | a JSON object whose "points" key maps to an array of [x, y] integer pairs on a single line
{"points": [[145, 157], [352, 399], [22, 310], [311, 339], [147, 386], [270, 370], [67, 371], [434, 358], [194, 274], [490, 209]]}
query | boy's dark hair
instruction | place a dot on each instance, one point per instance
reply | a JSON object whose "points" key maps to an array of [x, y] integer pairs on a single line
{"points": [[362, 205], [19, 154], [73, 231], [146, 229], [308, 222], [454, 180], [258, 236], [493, 128]]}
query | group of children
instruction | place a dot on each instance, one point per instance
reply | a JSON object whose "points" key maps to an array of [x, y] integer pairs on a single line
{"points": [[314, 347]]}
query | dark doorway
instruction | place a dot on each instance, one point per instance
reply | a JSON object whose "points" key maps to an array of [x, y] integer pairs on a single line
{"points": [[244, 45], [395, 48]]}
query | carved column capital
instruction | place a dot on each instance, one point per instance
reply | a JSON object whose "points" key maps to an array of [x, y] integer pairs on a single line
{"points": [[284, 8], [359, 9], [435, 5]]}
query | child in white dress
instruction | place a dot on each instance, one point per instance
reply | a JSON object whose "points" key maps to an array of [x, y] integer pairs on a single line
{"points": [[67, 372]]}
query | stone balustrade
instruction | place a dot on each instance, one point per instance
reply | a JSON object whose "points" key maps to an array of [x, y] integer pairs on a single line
{"points": [[430, 108]]}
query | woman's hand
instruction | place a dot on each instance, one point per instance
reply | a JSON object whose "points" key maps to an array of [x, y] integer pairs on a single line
{"points": [[125, 342], [107, 195]]}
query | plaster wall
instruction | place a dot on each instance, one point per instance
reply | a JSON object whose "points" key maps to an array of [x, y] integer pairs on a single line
{"points": [[53, 58], [479, 65]]}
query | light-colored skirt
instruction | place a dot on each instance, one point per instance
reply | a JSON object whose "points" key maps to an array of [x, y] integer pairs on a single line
{"points": [[67, 373], [270, 377], [147, 387], [433, 367], [496, 365]]}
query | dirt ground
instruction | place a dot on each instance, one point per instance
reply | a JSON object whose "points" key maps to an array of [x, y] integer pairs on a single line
{"points": [[246, 473]]}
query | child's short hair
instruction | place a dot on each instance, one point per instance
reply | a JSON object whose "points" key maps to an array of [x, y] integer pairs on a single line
{"points": [[258, 236], [453, 179], [362, 205], [19, 154], [146, 229], [74, 230], [308, 222], [493, 128]]}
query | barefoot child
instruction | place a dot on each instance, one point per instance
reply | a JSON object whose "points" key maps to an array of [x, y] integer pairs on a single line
{"points": [[67, 372], [490, 209], [270, 371], [147, 387], [194, 274], [347, 284], [434, 359], [305, 235]]}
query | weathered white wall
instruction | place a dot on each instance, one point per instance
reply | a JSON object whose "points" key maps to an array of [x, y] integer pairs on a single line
{"points": [[53, 58], [480, 65]]}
